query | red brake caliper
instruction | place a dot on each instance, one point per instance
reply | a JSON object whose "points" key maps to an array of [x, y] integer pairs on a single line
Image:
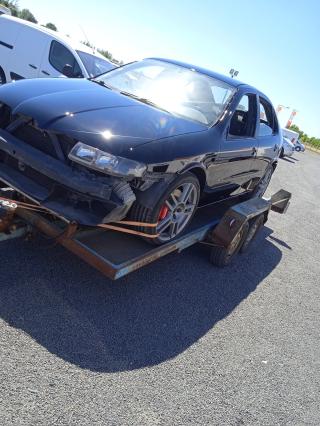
{"points": [[163, 212]]}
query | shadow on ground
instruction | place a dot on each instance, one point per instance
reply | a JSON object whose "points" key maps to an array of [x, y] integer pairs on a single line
{"points": [[289, 160], [142, 320]]}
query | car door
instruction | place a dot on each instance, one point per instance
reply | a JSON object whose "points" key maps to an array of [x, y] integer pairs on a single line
{"points": [[234, 165], [28, 52], [269, 140], [58, 55]]}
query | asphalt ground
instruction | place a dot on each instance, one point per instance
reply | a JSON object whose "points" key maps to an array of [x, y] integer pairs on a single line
{"points": [[178, 342]]}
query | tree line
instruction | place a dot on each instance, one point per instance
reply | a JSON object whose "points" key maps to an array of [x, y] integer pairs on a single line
{"points": [[27, 15], [315, 142]]}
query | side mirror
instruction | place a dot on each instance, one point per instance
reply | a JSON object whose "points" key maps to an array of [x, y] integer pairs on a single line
{"points": [[67, 70]]}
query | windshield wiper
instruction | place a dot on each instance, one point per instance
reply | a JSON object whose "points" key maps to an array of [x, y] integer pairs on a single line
{"points": [[144, 100], [101, 83]]}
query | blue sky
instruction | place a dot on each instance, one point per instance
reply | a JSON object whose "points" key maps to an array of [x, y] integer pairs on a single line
{"points": [[275, 45]]}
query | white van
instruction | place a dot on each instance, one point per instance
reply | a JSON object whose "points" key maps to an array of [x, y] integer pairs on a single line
{"points": [[30, 51], [291, 135], [4, 10]]}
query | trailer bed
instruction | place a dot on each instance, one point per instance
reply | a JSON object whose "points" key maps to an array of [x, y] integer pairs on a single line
{"points": [[117, 254]]}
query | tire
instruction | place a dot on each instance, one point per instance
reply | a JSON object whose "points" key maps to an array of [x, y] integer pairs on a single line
{"points": [[297, 148], [221, 256], [263, 184], [2, 77], [169, 209], [254, 227], [281, 155]]}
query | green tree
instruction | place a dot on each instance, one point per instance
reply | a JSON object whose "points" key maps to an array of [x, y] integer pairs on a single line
{"points": [[51, 26], [13, 5], [27, 16], [295, 128], [106, 54], [315, 142], [87, 43]]}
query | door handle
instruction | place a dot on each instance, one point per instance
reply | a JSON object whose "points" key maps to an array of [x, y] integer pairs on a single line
{"points": [[33, 66], [45, 72]]}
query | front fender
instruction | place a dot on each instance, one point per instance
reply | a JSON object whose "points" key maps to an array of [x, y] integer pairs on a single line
{"points": [[150, 196]]}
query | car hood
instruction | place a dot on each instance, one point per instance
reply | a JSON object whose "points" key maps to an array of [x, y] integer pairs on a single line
{"points": [[93, 114]]}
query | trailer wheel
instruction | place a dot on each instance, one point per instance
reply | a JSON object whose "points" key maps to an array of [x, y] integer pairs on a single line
{"points": [[254, 227], [221, 256]]}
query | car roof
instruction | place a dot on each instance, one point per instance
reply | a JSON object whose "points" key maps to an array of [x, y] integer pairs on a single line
{"points": [[74, 44]]}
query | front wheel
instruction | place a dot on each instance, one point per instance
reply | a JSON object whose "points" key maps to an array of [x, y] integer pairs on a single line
{"points": [[173, 209], [298, 148]]}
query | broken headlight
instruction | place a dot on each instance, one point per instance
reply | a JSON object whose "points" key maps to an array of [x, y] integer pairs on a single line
{"points": [[104, 162]]}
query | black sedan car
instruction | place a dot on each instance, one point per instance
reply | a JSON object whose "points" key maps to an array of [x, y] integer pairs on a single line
{"points": [[151, 141]]}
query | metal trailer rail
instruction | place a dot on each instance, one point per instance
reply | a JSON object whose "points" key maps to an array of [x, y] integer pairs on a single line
{"points": [[226, 226]]}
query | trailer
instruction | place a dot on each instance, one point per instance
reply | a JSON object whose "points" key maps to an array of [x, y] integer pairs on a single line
{"points": [[226, 227]]}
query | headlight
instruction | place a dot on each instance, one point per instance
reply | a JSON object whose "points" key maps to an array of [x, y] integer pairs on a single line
{"points": [[104, 162]]}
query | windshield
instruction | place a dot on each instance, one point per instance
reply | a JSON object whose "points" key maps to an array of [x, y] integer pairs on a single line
{"points": [[95, 65], [174, 88]]}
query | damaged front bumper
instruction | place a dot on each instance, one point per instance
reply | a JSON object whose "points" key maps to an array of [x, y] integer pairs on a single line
{"points": [[70, 193]]}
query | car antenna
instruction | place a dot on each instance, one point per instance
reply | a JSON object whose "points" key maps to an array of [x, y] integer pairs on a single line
{"points": [[87, 40]]}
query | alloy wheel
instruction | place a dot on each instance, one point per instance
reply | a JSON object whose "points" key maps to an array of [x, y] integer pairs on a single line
{"points": [[177, 211]]}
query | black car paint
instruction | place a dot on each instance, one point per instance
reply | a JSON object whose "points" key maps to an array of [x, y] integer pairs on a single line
{"points": [[83, 110]]}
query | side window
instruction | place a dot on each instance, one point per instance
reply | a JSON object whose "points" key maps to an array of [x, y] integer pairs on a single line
{"points": [[60, 56], [220, 94], [268, 124], [243, 121]]}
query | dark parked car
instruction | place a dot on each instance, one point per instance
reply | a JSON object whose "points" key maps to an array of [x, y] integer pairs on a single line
{"points": [[150, 141]]}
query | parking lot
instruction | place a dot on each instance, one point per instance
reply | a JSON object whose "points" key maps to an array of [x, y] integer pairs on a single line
{"points": [[178, 342]]}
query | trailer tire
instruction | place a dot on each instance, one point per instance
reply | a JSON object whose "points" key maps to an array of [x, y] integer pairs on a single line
{"points": [[221, 256], [254, 226]]}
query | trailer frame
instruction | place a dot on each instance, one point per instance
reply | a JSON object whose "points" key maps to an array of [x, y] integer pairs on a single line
{"points": [[224, 226]]}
